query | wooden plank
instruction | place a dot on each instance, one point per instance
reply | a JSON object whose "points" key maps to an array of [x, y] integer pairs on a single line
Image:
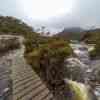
{"points": [[28, 90], [41, 95], [22, 78], [19, 83], [34, 93], [26, 85]]}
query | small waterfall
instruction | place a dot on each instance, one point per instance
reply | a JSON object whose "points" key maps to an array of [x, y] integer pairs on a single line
{"points": [[81, 59], [76, 69]]}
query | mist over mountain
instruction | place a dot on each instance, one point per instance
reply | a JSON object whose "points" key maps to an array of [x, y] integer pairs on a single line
{"points": [[73, 29]]}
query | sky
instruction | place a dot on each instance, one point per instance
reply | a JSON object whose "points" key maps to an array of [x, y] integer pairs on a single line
{"points": [[54, 14]]}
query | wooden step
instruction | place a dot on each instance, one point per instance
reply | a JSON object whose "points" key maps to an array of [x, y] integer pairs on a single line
{"points": [[22, 78], [41, 95], [20, 83], [22, 74], [34, 93], [26, 85], [48, 97], [30, 90]]}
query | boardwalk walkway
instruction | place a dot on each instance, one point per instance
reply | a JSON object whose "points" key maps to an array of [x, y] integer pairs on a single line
{"points": [[27, 85]]}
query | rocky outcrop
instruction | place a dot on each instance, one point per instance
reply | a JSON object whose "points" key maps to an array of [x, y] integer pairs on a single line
{"points": [[8, 43]]}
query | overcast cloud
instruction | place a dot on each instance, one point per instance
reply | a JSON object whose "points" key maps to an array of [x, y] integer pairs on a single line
{"points": [[86, 13]]}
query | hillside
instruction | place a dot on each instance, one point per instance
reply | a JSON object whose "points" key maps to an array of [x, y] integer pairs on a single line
{"points": [[74, 33], [12, 25]]}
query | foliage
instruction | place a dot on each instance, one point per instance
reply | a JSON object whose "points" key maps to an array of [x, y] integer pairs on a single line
{"points": [[11, 25], [33, 41], [53, 50]]}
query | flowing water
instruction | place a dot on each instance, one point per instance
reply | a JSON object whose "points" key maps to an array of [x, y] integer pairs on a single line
{"points": [[82, 60]]}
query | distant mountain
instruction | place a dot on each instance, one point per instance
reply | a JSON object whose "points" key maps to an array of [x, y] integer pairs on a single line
{"points": [[73, 33], [73, 29], [91, 36]]}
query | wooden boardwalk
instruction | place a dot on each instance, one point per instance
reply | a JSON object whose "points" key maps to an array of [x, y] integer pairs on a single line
{"points": [[26, 83]]}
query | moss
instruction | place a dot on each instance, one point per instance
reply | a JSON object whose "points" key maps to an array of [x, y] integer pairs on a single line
{"points": [[80, 92]]}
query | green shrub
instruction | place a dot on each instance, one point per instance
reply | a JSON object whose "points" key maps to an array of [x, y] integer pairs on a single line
{"points": [[55, 49]]}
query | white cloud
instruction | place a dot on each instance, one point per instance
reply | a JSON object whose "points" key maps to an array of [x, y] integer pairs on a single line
{"points": [[44, 9], [54, 14]]}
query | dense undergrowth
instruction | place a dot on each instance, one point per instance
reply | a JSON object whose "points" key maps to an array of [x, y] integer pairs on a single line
{"points": [[53, 49]]}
